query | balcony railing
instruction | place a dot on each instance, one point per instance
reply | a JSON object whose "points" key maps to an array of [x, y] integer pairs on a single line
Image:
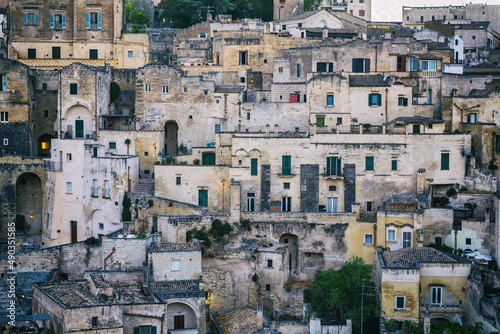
{"points": [[53, 166], [368, 217], [183, 331], [433, 308], [49, 63]]}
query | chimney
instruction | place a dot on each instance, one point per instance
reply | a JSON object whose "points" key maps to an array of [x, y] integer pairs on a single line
{"points": [[210, 12], [420, 181], [325, 32], [260, 317], [267, 129], [276, 128]]}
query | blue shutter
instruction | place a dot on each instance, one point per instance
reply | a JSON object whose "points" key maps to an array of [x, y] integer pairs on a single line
{"points": [[52, 21], [4, 82], [87, 20], [36, 19], [25, 18], [153, 329], [10, 22], [99, 20], [64, 21]]}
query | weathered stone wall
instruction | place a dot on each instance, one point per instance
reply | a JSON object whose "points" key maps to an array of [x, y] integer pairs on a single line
{"points": [[220, 286]]}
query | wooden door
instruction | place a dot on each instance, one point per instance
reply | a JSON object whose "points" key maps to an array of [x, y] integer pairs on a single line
{"points": [[74, 235], [178, 322]]}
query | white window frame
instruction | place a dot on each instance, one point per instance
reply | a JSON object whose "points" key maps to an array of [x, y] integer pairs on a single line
{"points": [[396, 303], [147, 88], [251, 203], [164, 89], [4, 117], [429, 67], [95, 188], [6, 141], [69, 157], [69, 188], [286, 204], [331, 208], [439, 294], [364, 240], [389, 235], [176, 265], [106, 188]]}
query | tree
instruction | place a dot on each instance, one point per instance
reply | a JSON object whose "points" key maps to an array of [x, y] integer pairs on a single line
{"points": [[184, 13], [127, 142], [137, 18], [336, 295], [310, 5], [126, 214]]}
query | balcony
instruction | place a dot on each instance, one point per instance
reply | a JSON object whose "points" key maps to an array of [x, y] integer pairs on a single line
{"points": [[425, 74], [183, 331], [51, 64], [367, 217], [441, 309], [53, 166]]}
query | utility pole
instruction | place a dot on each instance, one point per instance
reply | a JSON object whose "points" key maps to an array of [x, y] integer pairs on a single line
{"points": [[366, 294]]}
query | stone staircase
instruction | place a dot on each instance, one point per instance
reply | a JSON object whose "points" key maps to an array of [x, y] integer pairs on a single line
{"points": [[145, 187]]}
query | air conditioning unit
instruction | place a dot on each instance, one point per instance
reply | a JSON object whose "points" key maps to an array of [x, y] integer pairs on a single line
{"points": [[89, 136]]}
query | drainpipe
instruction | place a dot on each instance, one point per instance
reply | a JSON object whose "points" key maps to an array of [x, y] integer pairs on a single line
{"points": [[60, 106], [107, 257], [375, 235], [162, 319], [386, 93], [376, 57], [95, 89]]}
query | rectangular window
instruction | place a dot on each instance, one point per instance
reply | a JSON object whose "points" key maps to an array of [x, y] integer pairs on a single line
{"points": [[333, 166], [280, 69], [205, 92], [30, 19], [106, 188], [438, 241], [369, 206], [268, 287], [339, 120], [93, 54], [57, 21], [286, 204], [331, 204], [391, 235], [217, 128], [286, 165], [31, 53], [402, 101], [6, 141], [44, 86], [69, 157], [176, 265], [203, 198], [320, 121], [56, 52], [324, 67], [374, 99], [428, 65], [401, 64], [73, 89], [165, 89], [394, 164], [286, 185], [178, 180], [436, 292], [112, 145], [94, 322], [243, 57], [4, 117], [299, 70], [472, 118], [101, 226], [69, 188], [400, 302], [130, 54], [368, 239], [253, 166], [208, 159], [251, 202], [79, 126], [45, 113], [413, 64], [407, 242], [361, 13], [93, 21], [147, 88], [468, 241], [3, 86], [94, 188], [416, 128], [248, 115], [269, 263], [361, 65], [369, 163], [94, 153], [445, 161], [45, 145], [329, 100], [283, 27]]}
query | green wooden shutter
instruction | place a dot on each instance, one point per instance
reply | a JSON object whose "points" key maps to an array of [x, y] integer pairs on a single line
{"points": [[78, 128], [4, 82], [328, 165], [209, 159], [339, 165], [445, 161], [253, 166], [153, 329], [394, 165], [203, 198], [137, 330], [379, 100], [52, 21], [286, 165], [369, 163], [369, 99]]}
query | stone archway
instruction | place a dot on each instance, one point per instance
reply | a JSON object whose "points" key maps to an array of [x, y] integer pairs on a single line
{"points": [[29, 202], [181, 316], [171, 138], [293, 252], [43, 145]]}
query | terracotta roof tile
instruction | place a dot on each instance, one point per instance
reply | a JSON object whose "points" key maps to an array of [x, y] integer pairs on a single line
{"points": [[410, 257]]}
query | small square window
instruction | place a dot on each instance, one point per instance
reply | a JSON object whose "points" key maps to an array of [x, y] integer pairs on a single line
{"points": [[248, 116], [5, 141], [44, 86], [242, 79], [320, 121], [178, 180], [176, 265], [297, 130], [112, 145], [45, 113], [368, 239], [146, 172], [332, 188], [468, 241], [269, 263], [73, 89], [286, 185], [69, 157], [101, 226], [217, 101], [130, 54], [268, 287], [280, 69], [402, 101], [339, 120], [205, 92], [146, 154], [185, 89], [165, 89], [240, 162], [147, 88]]}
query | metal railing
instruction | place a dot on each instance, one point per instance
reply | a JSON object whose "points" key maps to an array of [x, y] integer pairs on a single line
{"points": [[53, 166]]}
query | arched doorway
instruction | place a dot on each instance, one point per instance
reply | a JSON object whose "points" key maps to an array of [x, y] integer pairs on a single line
{"points": [[293, 251], [181, 316], [29, 204], [171, 129], [43, 145]]}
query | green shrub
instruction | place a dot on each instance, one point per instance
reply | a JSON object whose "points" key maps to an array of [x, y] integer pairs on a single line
{"points": [[114, 92], [150, 202], [219, 230], [126, 214], [452, 192]]}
